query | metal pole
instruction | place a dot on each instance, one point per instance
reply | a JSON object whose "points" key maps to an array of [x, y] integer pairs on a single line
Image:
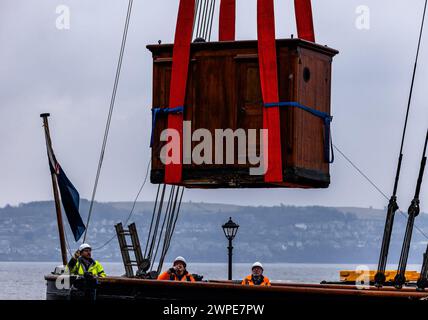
{"points": [[45, 116], [230, 248]]}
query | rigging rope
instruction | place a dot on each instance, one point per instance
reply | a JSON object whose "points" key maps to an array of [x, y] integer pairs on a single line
{"points": [[170, 217], [68, 244], [209, 31], [171, 230], [410, 99], [156, 227], [110, 113], [151, 222], [393, 205], [204, 18], [374, 185], [414, 74], [166, 216], [163, 235], [202, 28], [132, 208]]}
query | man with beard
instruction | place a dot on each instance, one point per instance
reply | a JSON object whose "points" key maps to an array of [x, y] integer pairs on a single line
{"points": [[256, 278], [82, 263]]}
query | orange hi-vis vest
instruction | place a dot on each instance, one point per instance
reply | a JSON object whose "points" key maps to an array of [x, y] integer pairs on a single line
{"points": [[250, 282], [173, 277]]}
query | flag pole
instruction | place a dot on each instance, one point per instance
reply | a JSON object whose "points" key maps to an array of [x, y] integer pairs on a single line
{"points": [[45, 116]]}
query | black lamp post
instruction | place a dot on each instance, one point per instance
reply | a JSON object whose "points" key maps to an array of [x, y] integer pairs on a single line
{"points": [[230, 229]]}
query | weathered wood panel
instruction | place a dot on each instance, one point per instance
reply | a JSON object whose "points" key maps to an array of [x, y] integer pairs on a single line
{"points": [[224, 92]]}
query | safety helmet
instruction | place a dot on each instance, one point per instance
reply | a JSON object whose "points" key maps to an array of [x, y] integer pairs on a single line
{"points": [[181, 259], [84, 246], [257, 264]]}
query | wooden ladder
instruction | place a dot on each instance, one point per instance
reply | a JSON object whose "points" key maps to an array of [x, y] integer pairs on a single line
{"points": [[125, 249]]}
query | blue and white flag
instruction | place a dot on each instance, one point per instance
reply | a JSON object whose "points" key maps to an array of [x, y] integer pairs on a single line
{"points": [[69, 195]]}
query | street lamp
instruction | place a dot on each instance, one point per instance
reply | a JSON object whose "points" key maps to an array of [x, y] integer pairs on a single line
{"points": [[230, 229]]}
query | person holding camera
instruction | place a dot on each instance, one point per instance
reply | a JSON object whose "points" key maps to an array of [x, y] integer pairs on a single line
{"points": [[178, 272], [256, 278]]}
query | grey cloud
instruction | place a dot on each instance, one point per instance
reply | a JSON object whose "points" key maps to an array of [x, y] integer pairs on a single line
{"points": [[70, 74]]}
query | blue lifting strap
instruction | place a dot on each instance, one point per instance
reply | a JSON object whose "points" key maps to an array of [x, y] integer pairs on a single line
{"points": [[322, 115], [162, 111]]}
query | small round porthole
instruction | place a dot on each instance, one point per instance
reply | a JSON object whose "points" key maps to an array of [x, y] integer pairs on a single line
{"points": [[306, 74]]}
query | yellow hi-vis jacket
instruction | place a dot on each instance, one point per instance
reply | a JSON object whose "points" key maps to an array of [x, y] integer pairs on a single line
{"points": [[79, 268]]}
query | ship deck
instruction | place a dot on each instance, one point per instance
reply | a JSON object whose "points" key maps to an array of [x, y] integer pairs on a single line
{"points": [[121, 288]]}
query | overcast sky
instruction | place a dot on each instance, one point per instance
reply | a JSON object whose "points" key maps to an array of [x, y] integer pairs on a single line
{"points": [[70, 74]]}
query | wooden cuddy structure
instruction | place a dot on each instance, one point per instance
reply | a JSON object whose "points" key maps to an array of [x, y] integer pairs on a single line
{"points": [[120, 288], [224, 92]]}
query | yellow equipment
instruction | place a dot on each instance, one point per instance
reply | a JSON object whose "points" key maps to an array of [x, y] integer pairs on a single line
{"points": [[353, 276]]}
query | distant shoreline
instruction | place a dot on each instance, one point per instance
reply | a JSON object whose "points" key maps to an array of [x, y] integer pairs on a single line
{"points": [[276, 234]]}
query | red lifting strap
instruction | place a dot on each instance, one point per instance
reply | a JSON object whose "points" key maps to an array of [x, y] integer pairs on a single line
{"points": [[227, 20], [269, 83], [304, 20], [180, 68]]}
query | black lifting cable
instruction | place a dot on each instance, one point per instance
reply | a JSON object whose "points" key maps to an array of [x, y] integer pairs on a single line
{"points": [[209, 29], [172, 221], [170, 215], [197, 17], [166, 215], [156, 226], [110, 114], [392, 205], [208, 19], [202, 29], [175, 222], [197, 3], [151, 222], [204, 17], [413, 212]]}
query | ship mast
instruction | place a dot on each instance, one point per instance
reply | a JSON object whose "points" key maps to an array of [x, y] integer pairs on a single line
{"points": [[45, 116]]}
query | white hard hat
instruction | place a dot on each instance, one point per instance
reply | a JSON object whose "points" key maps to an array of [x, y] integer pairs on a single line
{"points": [[84, 246], [257, 264], [181, 259]]}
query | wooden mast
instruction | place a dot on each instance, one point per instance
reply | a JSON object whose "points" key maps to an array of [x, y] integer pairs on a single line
{"points": [[45, 116]]}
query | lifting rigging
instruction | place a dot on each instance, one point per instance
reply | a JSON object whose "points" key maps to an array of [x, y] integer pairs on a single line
{"points": [[393, 205], [195, 18], [110, 114], [159, 241], [248, 88], [160, 234], [413, 212]]}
